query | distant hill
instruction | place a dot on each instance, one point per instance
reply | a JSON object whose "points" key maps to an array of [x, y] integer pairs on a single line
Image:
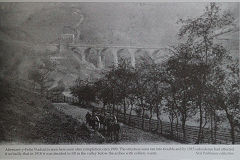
{"points": [[26, 29]]}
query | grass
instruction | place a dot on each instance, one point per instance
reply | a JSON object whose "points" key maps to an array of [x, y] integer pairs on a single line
{"points": [[29, 118]]}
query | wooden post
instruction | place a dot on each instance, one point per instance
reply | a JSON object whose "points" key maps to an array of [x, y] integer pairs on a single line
{"points": [[115, 57], [133, 60]]}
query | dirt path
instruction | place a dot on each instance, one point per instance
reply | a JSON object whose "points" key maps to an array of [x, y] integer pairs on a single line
{"points": [[128, 135], [73, 111]]}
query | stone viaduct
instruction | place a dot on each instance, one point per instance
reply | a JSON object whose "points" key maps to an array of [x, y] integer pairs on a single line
{"points": [[108, 55]]}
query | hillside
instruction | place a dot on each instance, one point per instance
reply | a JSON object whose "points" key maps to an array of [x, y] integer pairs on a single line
{"points": [[26, 29], [29, 118], [17, 58], [69, 67]]}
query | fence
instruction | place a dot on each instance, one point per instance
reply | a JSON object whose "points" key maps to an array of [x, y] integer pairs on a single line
{"points": [[222, 136], [61, 99]]}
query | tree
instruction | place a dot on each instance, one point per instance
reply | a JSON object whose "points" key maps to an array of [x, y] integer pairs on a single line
{"points": [[112, 87], [85, 91], [40, 72], [125, 75], [181, 75], [143, 86], [229, 100], [155, 87], [200, 33]]}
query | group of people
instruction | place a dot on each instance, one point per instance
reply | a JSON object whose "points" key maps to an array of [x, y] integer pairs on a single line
{"points": [[104, 123]]}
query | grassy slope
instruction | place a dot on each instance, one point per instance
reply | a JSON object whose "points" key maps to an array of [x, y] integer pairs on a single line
{"points": [[28, 118]]}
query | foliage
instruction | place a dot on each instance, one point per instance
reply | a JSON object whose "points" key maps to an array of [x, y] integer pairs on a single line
{"points": [[40, 72], [85, 91], [200, 80]]}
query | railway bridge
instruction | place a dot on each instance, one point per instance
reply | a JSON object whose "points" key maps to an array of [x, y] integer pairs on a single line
{"points": [[104, 53], [108, 55]]}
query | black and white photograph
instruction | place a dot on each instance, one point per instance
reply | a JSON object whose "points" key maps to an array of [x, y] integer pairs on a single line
{"points": [[123, 73]]}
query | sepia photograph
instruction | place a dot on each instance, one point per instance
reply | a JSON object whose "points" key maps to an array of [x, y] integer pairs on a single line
{"points": [[124, 73]]}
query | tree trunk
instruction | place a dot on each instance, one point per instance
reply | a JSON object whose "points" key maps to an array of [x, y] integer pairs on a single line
{"points": [[215, 127], [203, 127], [211, 126], [171, 118], [161, 126], [150, 120], [125, 110], [200, 121], [183, 127], [130, 114], [143, 112], [177, 126], [232, 125], [233, 132], [158, 118]]}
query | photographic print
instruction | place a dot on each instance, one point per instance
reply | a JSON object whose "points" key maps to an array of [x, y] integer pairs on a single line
{"points": [[119, 73]]}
